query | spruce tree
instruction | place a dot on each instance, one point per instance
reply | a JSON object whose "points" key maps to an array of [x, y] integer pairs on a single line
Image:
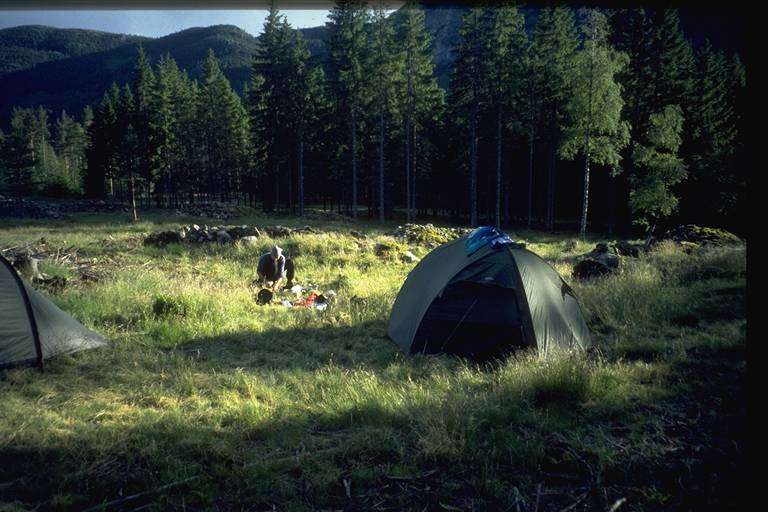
{"points": [[384, 72], [421, 98], [143, 85], [555, 43], [595, 128], [347, 44], [505, 46], [467, 92]]}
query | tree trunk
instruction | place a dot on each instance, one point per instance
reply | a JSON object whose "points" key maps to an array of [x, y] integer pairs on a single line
{"points": [[530, 178], [498, 169], [585, 199], [407, 172], [473, 169], [413, 173], [354, 167], [133, 199], [301, 177], [551, 189], [381, 166]]}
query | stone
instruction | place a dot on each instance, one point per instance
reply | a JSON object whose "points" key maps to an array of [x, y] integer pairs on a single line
{"points": [[409, 257], [589, 268], [249, 240], [705, 236], [223, 237]]}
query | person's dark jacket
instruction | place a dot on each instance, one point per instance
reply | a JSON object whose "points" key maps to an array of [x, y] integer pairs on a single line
{"points": [[271, 269]]}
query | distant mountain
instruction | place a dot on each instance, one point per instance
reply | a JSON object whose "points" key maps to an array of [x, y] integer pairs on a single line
{"points": [[74, 82], [26, 46]]}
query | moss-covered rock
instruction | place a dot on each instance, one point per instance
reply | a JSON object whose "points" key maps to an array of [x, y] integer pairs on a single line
{"points": [[427, 234], [701, 235]]}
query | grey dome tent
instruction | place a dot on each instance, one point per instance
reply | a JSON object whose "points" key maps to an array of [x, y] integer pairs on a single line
{"points": [[485, 301], [32, 328]]}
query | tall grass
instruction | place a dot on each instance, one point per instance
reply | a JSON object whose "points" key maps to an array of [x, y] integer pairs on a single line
{"points": [[270, 405]]}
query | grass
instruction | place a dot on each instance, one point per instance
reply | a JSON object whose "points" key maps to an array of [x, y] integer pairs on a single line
{"points": [[207, 401]]}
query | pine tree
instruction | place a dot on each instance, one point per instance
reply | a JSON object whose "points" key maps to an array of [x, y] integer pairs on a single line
{"points": [[658, 168], [505, 46], [19, 151], [384, 71], [713, 139], [143, 86], [467, 92], [673, 63], [70, 147], [555, 42], [347, 44], [272, 91], [224, 129], [420, 96], [595, 128], [162, 121]]}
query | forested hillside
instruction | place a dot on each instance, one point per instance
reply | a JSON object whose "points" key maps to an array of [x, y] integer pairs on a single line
{"points": [[26, 46], [596, 119]]}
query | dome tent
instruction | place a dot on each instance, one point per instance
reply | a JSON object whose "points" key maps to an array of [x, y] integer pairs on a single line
{"points": [[482, 295], [32, 328]]}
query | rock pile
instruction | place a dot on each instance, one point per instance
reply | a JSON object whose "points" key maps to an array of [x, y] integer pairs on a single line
{"points": [[428, 234], [247, 235], [217, 211], [40, 209]]}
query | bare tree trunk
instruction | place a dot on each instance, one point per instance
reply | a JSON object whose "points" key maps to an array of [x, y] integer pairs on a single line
{"points": [[133, 199], [301, 177], [408, 172], [414, 174], [530, 178], [551, 183], [473, 169], [498, 169], [381, 168], [354, 167], [585, 200]]}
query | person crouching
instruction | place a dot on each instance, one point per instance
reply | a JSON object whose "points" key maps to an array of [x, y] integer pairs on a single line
{"points": [[274, 267]]}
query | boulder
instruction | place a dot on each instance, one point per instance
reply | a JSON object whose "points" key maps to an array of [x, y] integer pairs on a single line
{"points": [[249, 241], [428, 233], [589, 268], [409, 257], [599, 261], [223, 237]]}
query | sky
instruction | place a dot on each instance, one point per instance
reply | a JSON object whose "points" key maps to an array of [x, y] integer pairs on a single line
{"points": [[157, 23]]}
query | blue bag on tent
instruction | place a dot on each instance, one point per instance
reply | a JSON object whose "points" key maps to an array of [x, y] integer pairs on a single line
{"points": [[485, 235]]}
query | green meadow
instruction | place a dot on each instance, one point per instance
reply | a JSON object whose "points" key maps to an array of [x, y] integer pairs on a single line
{"points": [[205, 400]]}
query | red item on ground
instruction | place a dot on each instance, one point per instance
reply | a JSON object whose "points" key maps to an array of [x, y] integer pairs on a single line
{"points": [[306, 302]]}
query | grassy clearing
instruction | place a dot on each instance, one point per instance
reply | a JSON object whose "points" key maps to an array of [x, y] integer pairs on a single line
{"points": [[245, 407]]}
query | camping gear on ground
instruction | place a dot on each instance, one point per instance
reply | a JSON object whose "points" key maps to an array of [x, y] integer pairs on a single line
{"points": [[32, 328], [481, 296], [264, 296]]}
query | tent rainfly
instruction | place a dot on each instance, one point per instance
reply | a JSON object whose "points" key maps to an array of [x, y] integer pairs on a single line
{"points": [[483, 295], [32, 328]]}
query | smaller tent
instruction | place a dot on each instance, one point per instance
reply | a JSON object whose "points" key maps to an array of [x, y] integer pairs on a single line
{"points": [[483, 295], [32, 328]]}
